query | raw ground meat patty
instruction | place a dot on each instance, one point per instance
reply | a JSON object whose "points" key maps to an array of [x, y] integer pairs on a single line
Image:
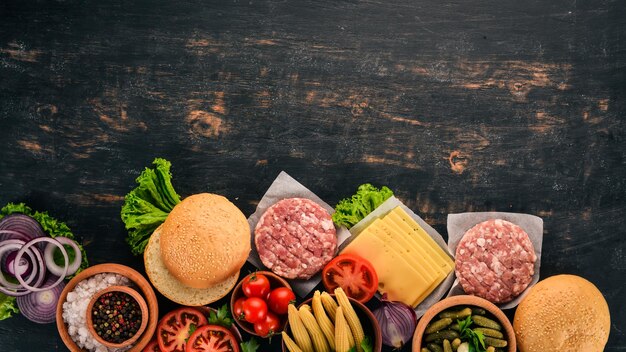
{"points": [[495, 260], [295, 238]]}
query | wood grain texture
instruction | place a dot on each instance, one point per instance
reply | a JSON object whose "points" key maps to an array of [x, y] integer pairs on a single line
{"points": [[457, 106]]}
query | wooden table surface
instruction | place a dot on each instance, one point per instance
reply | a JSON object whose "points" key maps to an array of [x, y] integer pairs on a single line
{"points": [[457, 106]]}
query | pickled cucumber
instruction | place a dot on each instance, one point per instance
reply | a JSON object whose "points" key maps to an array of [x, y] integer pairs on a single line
{"points": [[486, 323], [441, 335], [490, 332], [434, 347], [447, 347], [490, 341], [438, 325], [456, 314]]}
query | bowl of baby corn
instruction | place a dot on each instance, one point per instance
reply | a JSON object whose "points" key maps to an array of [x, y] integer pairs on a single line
{"points": [[331, 322]]}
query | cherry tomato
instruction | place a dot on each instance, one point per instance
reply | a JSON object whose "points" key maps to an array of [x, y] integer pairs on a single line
{"points": [[238, 309], [279, 300], [212, 338], [355, 275], [269, 327], [256, 285], [254, 309], [152, 346], [174, 328]]}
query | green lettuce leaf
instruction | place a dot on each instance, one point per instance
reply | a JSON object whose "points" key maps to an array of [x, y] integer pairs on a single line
{"points": [[8, 306], [147, 206], [350, 211], [50, 225]]}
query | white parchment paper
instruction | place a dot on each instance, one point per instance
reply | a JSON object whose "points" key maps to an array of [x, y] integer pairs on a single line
{"points": [[383, 209], [458, 224], [285, 186]]}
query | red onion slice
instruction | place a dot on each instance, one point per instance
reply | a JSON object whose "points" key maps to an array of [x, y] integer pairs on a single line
{"points": [[24, 224], [33, 242], [24, 267], [13, 235], [38, 271], [53, 267], [40, 307]]}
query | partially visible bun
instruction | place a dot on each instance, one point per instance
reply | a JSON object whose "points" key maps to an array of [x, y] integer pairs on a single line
{"points": [[173, 289], [205, 240], [562, 313]]}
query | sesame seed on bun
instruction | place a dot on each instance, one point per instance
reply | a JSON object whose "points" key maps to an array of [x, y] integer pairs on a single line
{"points": [[562, 313], [204, 240]]}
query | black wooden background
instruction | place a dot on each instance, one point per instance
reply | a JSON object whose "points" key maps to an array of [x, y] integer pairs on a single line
{"points": [[456, 105]]}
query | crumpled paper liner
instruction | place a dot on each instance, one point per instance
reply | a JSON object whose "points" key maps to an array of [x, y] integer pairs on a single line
{"points": [[383, 209], [458, 224], [285, 186]]}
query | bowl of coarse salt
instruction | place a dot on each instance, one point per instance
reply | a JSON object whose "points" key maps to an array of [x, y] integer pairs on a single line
{"points": [[71, 313]]}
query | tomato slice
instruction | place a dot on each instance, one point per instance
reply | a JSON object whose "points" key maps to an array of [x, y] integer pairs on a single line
{"points": [[174, 328], [152, 346], [355, 275], [212, 338]]}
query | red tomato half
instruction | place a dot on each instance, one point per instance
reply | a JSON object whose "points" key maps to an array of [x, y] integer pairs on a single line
{"points": [[152, 346], [279, 299], [212, 338], [174, 328], [256, 285], [355, 275]]}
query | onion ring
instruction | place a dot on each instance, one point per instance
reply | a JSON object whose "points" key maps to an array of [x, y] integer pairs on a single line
{"points": [[49, 258], [21, 252], [12, 289]]}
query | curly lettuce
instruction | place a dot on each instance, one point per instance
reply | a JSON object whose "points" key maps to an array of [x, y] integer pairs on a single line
{"points": [[147, 206], [349, 211], [8, 306], [52, 227]]}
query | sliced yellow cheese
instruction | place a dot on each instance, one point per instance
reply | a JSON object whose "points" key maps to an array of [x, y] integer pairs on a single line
{"points": [[421, 233], [422, 253], [426, 253], [440, 264], [415, 256], [396, 277]]}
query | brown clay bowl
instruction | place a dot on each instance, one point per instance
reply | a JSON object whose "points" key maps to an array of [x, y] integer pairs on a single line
{"points": [[134, 295], [275, 282], [369, 322], [464, 300], [144, 288]]}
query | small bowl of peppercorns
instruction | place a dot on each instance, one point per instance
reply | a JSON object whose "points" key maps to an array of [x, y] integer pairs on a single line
{"points": [[117, 316]]}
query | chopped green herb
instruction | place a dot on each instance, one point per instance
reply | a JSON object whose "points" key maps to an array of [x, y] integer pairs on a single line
{"points": [[221, 317], [250, 346], [476, 339]]}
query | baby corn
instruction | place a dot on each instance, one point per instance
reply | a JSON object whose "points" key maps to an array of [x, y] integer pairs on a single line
{"points": [[351, 318], [342, 333], [291, 344], [329, 305], [298, 330], [319, 341], [327, 327]]}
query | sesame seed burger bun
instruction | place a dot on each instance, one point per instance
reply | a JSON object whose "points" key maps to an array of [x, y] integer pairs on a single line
{"points": [[204, 240], [562, 313], [173, 289]]}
